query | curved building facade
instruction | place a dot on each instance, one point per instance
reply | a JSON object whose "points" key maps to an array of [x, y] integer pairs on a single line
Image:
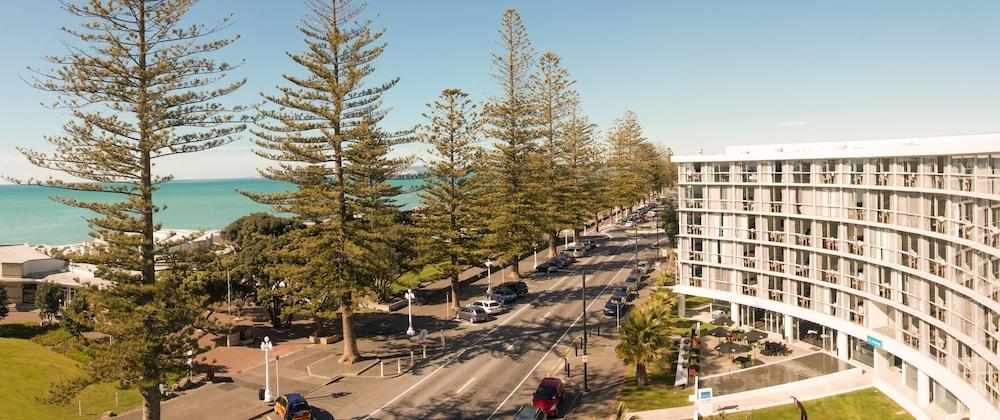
{"points": [[885, 253]]}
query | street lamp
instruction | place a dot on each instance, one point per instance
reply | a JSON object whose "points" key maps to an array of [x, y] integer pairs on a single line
{"points": [[409, 309], [583, 296], [266, 346], [229, 301], [534, 246], [636, 244], [489, 277]]}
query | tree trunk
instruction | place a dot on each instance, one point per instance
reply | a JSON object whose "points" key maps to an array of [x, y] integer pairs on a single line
{"points": [[640, 374], [351, 354], [317, 325], [515, 270], [274, 311], [576, 234], [455, 304], [151, 403], [553, 238]]}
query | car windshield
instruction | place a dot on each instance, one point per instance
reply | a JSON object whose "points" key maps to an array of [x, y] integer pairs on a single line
{"points": [[545, 393], [295, 408]]}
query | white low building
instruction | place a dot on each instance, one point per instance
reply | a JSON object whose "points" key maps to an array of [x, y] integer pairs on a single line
{"points": [[881, 252]]}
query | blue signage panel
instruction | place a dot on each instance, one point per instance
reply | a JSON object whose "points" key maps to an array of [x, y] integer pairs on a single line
{"points": [[704, 393], [874, 342]]}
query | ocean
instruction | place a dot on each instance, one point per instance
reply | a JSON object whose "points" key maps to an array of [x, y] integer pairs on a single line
{"points": [[27, 215]]}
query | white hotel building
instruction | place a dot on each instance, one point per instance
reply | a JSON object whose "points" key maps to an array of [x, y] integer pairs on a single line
{"points": [[881, 252]]}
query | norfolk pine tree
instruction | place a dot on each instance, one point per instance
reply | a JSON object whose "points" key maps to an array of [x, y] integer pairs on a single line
{"points": [[554, 99], [450, 219], [510, 173], [311, 131], [140, 87], [627, 167], [581, 154]]}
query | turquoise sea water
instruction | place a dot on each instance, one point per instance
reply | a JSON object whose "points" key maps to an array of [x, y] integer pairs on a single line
{"points": [[27, 215]]}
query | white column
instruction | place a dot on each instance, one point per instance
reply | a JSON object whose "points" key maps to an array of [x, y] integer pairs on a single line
{"points": [[734, 313], [842, 346], [681, 310], [923, 389], [788, 327]]}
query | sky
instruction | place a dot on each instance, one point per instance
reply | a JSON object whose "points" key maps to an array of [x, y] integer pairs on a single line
{"points": [[699, 75]]}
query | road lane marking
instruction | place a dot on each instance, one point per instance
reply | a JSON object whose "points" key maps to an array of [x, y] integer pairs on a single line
{"points": [[546, 315], [511, 345], [462, 388]]}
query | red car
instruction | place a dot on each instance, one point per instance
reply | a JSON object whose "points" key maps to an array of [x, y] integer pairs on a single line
{"points": [[548, 396]]}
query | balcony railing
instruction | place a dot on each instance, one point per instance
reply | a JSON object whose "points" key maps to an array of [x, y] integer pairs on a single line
{"points": [[749, 262], [802, 271], [776, 295], [694, 204], [882, 216], [910, 180], [937, 268], [857, 179], [695, 230], [747, 205], [938, 224], [693, 177], [831, 244], [749, 290], [829, 276], [827, 178], [776, 236], [857, 249], [910, 260], [857, 214], [803, 240], [694, 256], [804, 302], [776, 266], [775, 207]]}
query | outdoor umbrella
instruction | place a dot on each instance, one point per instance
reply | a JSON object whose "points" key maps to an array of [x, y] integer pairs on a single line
{"points": [[718, 332], [755, 335], [741, 359], [731, 347], [723, 320]]}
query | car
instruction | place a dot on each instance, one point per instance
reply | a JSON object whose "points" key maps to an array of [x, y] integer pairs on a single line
{"points": [[632, 283], [518, 287], [530, 412], [503, 294], [566, 259], [473, 314], [615, 307], [622, 292], [489, 305], [292, 407], [643, 266], [575, 251], [545, 266], [590, 244], [635, 272], [548, 396]]}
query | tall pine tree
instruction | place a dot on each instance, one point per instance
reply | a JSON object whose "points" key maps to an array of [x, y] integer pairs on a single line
{"points": [[628, 179], [322, 129], [450, 219], [140, 86], [582, 170], [554, 100], [514, 195]]}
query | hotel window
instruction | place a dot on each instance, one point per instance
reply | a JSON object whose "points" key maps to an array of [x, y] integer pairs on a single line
{"points": [[857, 172], [750, 172], [722, 173], [776, 169]]}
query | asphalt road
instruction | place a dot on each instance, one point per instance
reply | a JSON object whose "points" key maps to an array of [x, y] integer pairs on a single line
{"points": [[494, 367]]}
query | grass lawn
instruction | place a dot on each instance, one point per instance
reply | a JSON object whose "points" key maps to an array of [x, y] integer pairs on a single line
{"points": [[28, 370], [864, 404]]}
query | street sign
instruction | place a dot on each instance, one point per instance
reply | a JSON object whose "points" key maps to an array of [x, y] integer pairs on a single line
{"points": [[704, 393], [422, 336], [584, 358], [874, 342]]}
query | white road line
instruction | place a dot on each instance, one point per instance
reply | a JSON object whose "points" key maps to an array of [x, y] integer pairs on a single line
{"points": [[578, 317], [511, 345], [460, 389], [546, 315]]}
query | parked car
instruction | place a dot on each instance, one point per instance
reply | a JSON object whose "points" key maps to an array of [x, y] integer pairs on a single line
{"points": [[643, 266], [503, 294], [590, 244], [518, 287], [544, 266], [615, 306], [473, 314], [530, 412], [622, 292], [292, 407], [575, 251], [489, 305], [632, 283], [548, 396], [569, 259]]}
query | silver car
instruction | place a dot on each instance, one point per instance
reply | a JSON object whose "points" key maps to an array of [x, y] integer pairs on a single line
{"points": [[473, 314]]}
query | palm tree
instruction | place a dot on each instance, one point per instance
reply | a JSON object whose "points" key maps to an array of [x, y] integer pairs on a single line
{"points": [[644, 338]]}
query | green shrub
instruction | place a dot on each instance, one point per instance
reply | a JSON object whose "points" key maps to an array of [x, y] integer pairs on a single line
{"points": [[24, 331], [52, 337]]}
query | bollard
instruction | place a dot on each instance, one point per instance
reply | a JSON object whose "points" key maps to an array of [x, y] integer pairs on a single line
{"points": [[116, 399], [425, 352], [576, 348], [412, 358], [381, 368], [442, 340], [399, 365], [566, 366], [80, 405]]}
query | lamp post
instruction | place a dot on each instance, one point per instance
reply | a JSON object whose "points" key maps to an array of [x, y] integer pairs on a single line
{"points": [[534, 247], [409, 309], [583, 296], [229, 301], [636, 244], [489, 277], [277, 384], [266, 346]]}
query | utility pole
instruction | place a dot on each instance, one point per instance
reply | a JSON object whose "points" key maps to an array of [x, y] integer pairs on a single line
{"points": [[583, 295], [636, 244]]}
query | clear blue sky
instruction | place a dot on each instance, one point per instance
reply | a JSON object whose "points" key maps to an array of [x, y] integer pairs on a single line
{"points": [[700, 75]]}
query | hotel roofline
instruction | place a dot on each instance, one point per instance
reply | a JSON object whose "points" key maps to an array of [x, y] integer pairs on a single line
{"points": [[901, 147]]}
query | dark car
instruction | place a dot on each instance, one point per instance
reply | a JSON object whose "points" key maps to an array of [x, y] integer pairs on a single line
{"points": [[518, 287], [632, 283], [292, 407], [622, 292], [472, 314], [545, 266], [503, 294], [615, 307], [530, 412], [548, 396], [590, 244]]}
